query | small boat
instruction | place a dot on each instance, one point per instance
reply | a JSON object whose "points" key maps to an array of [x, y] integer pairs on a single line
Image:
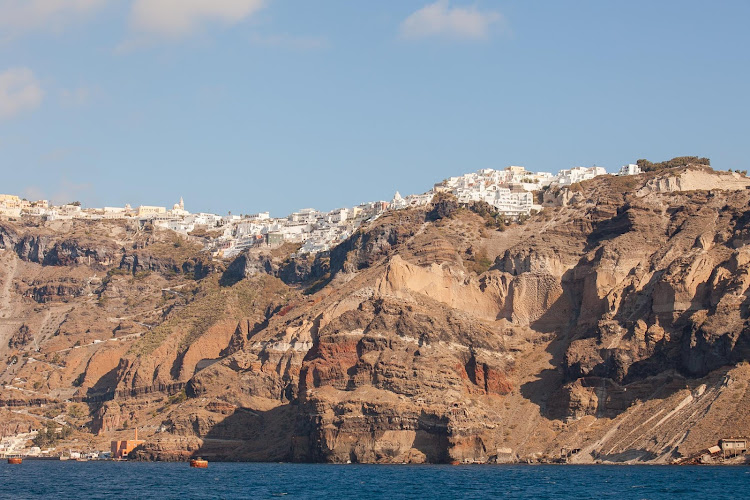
{"points": [[15, 460], [199, 463]]}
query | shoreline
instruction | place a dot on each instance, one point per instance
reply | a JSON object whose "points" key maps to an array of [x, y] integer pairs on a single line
{"points": [[514, 464]]}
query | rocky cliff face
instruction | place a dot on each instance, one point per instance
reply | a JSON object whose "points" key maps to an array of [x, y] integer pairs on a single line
{"points": [[614, 322]]}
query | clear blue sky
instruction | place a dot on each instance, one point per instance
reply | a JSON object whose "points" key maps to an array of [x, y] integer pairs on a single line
{"points": [[250, 105]]}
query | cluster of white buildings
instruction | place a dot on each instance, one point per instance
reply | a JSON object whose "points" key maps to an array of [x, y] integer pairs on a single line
{"points": [[511, 191], [316, 231], [13, 206], [16, 445]]}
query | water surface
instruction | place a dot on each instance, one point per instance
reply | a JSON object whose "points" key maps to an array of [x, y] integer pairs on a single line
{"points": [[53, 479]]}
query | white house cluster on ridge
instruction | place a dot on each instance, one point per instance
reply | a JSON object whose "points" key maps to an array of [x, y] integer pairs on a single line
{"points": [[510, 191]]}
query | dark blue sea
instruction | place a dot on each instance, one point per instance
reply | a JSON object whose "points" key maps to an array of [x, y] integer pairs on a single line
{"points": [[84, 480]]}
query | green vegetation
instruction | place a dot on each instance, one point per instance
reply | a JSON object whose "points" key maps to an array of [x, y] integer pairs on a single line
{"points": [[480, 263], [52, 412], [210, 305], [210, 312], [178, 398], [50, 436], [174, 399], [493, 218], [171, 246], [625, 183], [76, 410], [116, 271], [444, 205], [677, 162]]}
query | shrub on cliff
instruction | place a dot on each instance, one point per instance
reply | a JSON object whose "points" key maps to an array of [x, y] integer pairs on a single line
{"points": [[50, 436], [493, 218], [443, 205], [677, 162], [480, 263], [21, 338]]}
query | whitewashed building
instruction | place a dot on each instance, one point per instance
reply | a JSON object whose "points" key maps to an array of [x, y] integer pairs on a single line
{"points": [[630, 169], [577, 174]]}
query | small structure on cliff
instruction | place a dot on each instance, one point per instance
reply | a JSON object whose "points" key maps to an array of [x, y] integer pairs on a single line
{"points": [[121, 449], [733, 446]]}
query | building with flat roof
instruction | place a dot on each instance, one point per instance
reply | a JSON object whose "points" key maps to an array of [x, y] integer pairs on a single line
{"points": [[146, 210], [121, 449], [733, 446]]}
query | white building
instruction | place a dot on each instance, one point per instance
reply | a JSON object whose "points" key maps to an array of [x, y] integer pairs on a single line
{"points": [[398, 202], [510, 190], [577, 174], [306, 215], [10, 212], [178, 209], [630, 169], [180, 226], [337, 216], [114, 212], [259, 216]]}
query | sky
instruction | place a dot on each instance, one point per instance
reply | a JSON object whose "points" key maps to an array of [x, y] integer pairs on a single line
{"points": [[256, 105]]}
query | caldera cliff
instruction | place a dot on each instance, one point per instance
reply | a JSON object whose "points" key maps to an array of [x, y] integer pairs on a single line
{"points": [[614, 322]]}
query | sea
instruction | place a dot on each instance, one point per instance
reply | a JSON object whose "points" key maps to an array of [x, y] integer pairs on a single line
{"points": [[128, 480]]}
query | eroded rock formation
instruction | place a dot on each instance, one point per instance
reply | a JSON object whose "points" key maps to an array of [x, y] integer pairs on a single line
{"points": [[613, 322]]}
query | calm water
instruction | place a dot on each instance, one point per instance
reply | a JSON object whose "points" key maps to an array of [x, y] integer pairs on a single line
{"points": [[48, 479]]}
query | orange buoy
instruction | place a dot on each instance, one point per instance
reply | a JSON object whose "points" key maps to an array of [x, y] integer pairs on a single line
{"points": [[199, 463], [15, 460]]}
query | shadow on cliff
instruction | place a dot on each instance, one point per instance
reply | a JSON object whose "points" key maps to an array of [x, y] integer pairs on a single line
{"points": [[104, 388], [251, 435], [609, 229], [686, 351], [692, 348], [552, 391], [550, 380]]}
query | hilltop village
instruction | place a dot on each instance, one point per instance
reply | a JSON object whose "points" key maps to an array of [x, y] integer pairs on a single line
{"points": [[434, 333], [510, 191]]}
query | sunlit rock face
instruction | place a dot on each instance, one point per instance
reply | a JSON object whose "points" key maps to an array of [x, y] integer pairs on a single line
{"points": [[614, 322]]}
